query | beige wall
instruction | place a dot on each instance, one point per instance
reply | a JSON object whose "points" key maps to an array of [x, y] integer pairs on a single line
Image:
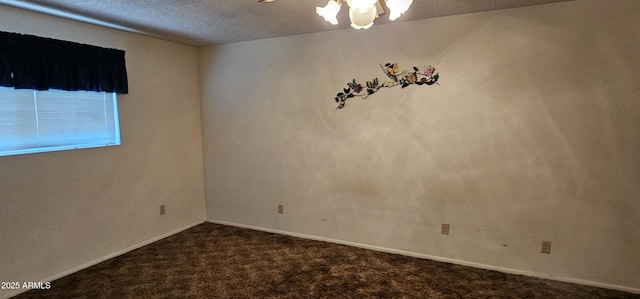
{"points": [[61, 211], [533, 134]]}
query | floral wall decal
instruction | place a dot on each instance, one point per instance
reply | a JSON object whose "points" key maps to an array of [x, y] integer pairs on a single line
{"points": [[396, 78]]}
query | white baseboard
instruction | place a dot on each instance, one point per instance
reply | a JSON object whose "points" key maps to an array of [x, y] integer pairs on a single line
{"points": [[435, 258], [110, 256]]}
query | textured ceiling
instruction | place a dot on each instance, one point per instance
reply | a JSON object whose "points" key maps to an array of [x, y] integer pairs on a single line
{"points": [[210, 22]]}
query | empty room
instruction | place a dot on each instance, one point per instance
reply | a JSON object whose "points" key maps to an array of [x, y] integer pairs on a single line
{"points": [[266, 149]]}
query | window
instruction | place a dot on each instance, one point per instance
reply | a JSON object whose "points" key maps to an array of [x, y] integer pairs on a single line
{"points": [[58, 95], [34, 121]]}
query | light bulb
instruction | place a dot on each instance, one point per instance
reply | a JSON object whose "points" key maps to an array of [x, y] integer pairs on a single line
{"points": [[329, 12], [397, 7], [362, 18]]}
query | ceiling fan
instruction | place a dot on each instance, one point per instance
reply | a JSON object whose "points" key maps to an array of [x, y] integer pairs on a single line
{"points": [[379, 5], [362, 13]]}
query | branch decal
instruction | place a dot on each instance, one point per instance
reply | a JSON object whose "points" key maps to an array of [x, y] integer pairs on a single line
{"points": [[395, 78]]}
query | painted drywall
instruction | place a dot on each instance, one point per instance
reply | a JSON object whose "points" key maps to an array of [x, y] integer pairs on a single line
{"points": [[533, 134], [64, 210]]}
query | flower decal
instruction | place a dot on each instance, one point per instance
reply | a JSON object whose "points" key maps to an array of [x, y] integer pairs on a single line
{"points": [[403, 78]]}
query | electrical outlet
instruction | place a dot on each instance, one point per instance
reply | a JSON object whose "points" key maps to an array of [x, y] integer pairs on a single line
{"points": [[444, 229], [546, 247], [162, 210], [280, 209]]}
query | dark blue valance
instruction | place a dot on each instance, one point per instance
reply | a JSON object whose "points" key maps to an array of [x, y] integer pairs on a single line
{"points": [[32, 62]]}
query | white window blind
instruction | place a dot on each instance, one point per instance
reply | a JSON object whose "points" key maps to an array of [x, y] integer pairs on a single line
{"points": [[54, 120]]}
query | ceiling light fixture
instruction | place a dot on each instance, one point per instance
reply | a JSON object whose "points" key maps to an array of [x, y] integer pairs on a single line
{"points": [[362, 12]]}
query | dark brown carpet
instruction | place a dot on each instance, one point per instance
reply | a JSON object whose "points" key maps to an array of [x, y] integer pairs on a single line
{"points": [[217, 261]]}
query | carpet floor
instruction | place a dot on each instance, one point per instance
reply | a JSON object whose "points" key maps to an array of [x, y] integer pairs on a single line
{"points": [[218, 261]]}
